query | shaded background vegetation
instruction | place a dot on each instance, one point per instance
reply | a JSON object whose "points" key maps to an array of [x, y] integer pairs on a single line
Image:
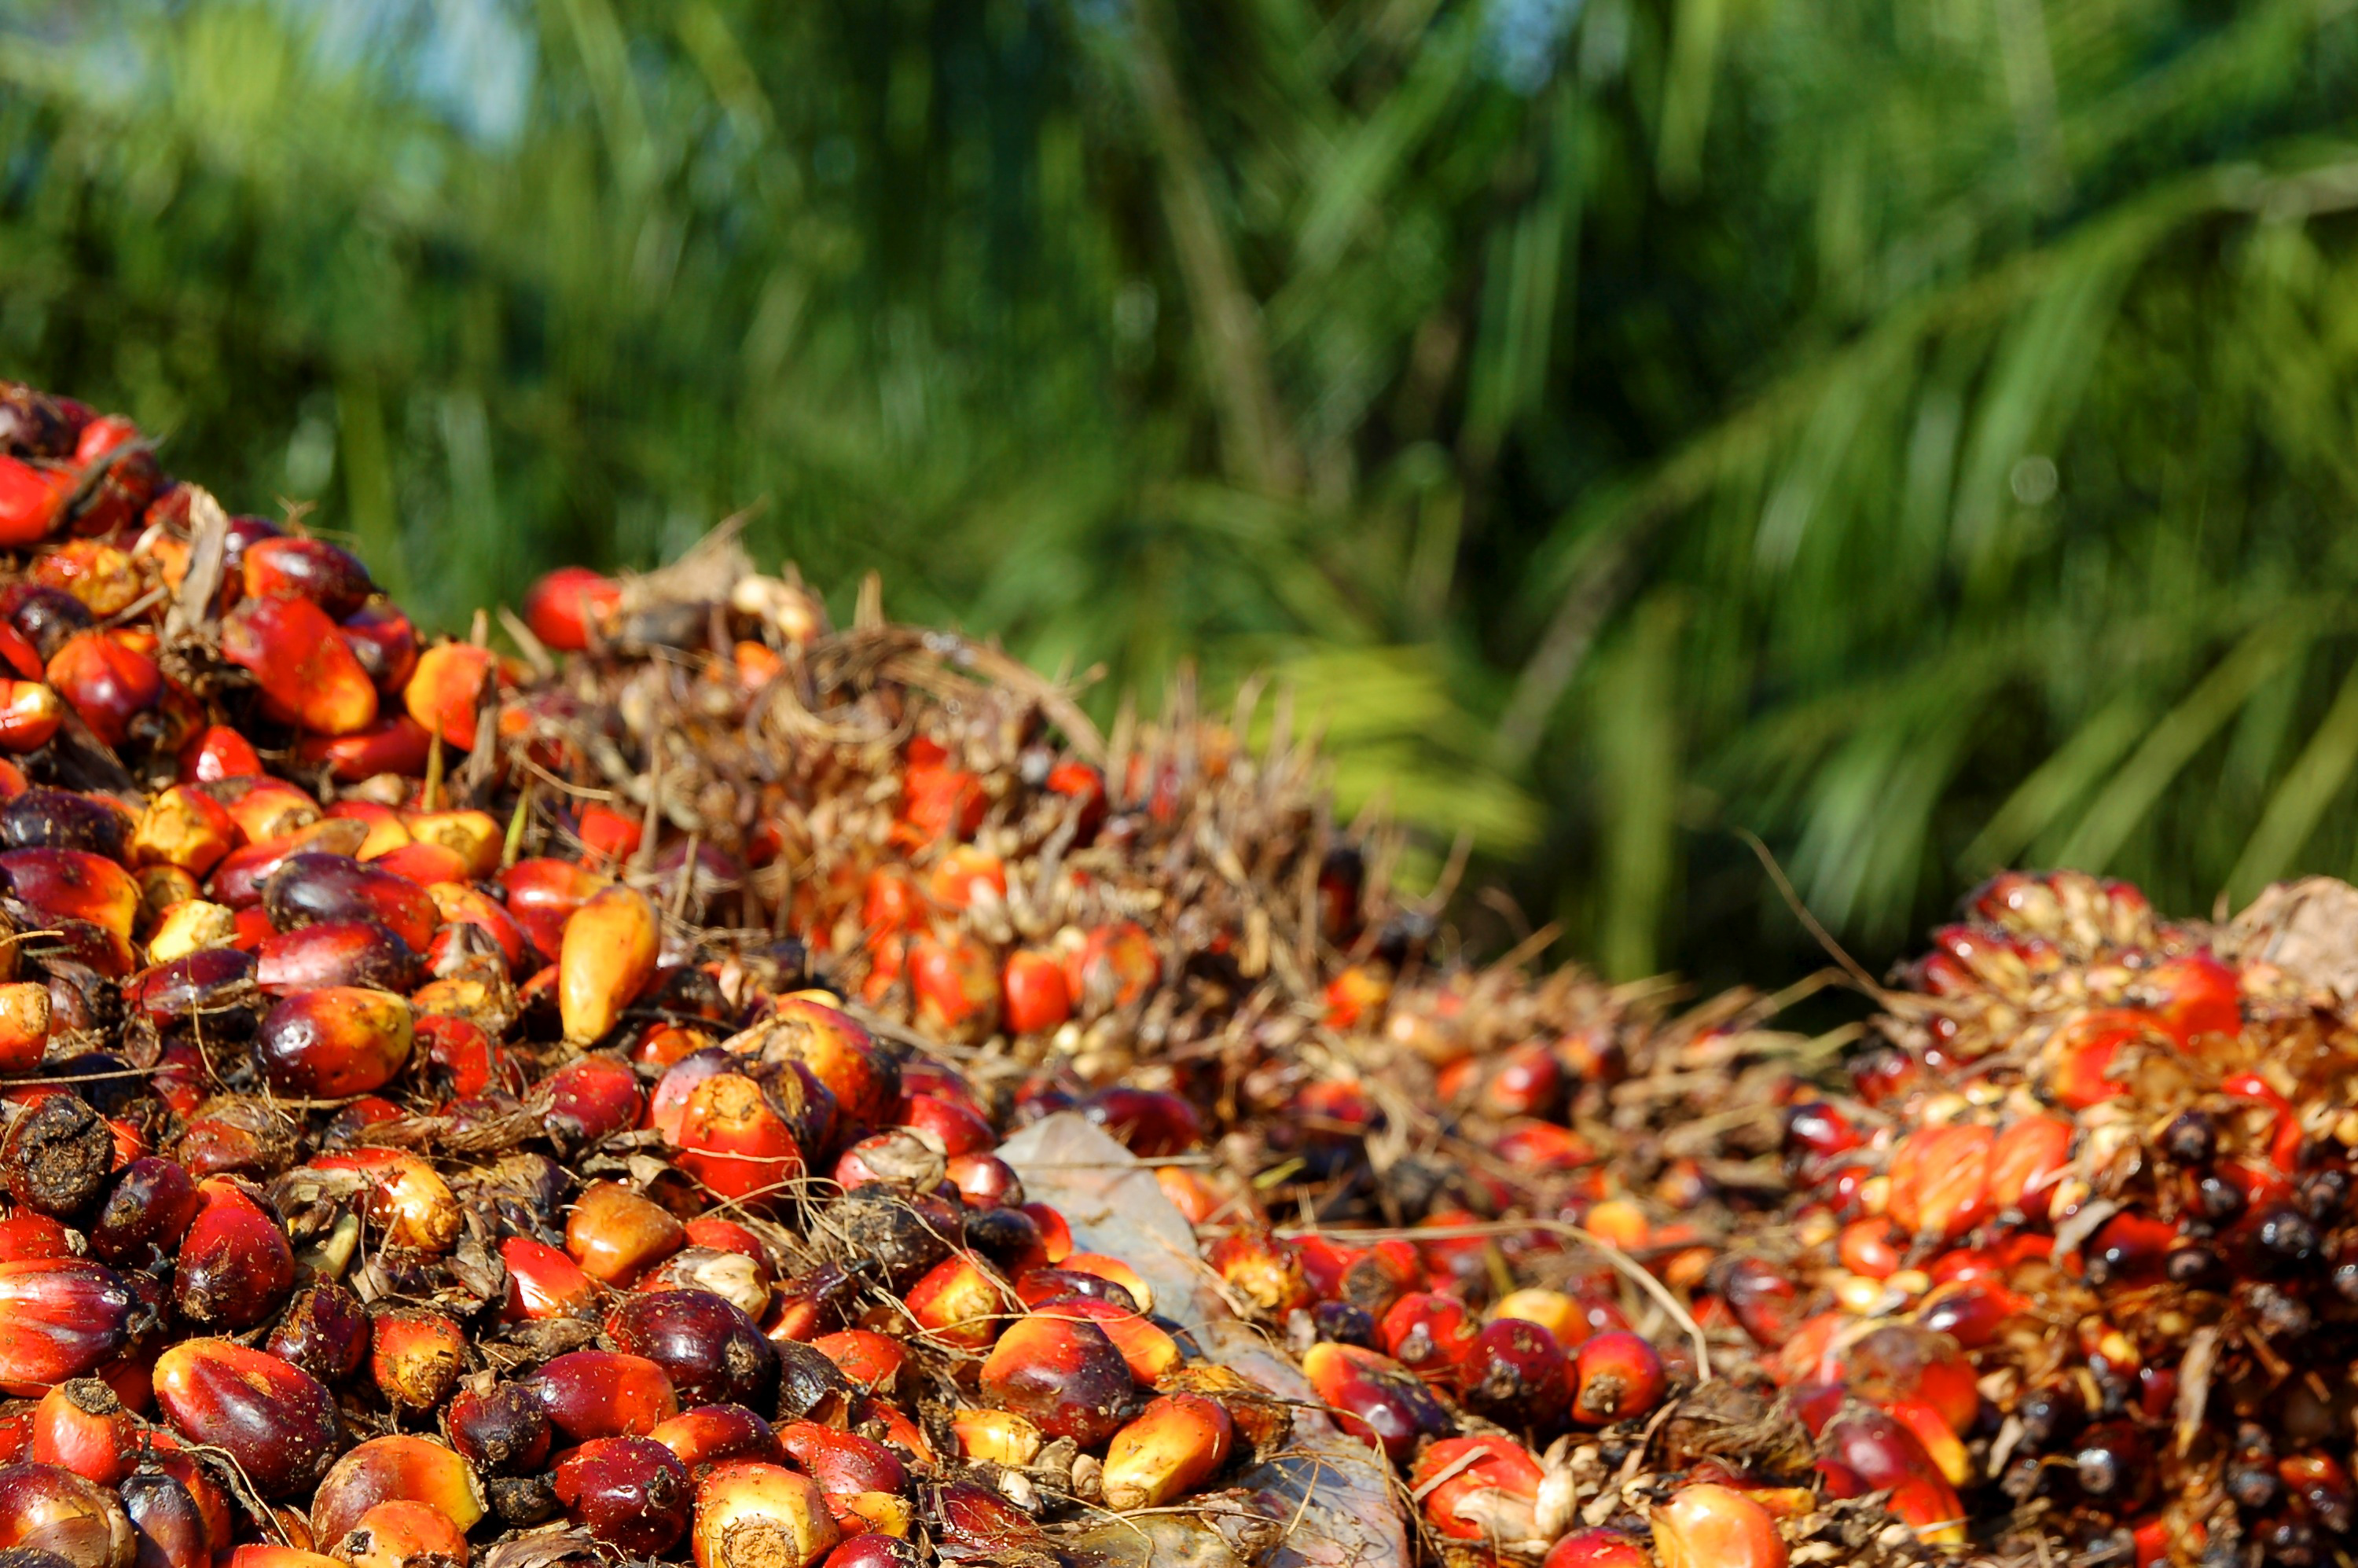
{"points": [[1920, 432]]}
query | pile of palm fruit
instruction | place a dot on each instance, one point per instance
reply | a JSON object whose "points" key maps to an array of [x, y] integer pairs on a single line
{"points": [[547, 1100]]}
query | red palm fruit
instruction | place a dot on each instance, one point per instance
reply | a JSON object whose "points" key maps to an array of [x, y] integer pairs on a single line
{"points": [[1862, 1450], [593, 1098], [1616, 1377], [239, 879], [1035, 997], [616, 1235], [32, 500], [501, 1429], [543, 1282], [1872, 1246], [396, 1469], [1061, 1374], [473, 1063], [324, 1331], [391, 1535], [2199, 995], [750, 1515], [2025, 1163], [335, 953], [1595, 1549], [890, 902], [277, 1422], [476, 838], [445, 690], [462, 905], [427, 865], [73, 884], [337, 1041], [17, 654], [211, 1502], [1114, 967], [864, 1079], [1430, 1334], [58, 1515], [171, 1525], [1115, 1269], [386, 829], [1906, 1361], [25, 1019], [265, 808], [630, 1492], [939, 802], [1531, 1145], [869, 1359], [1176, 1444], [105, 579], [662, 1046], [1522, 1080], [2079, 1058], [1055, 1234], [709, 1349], [563, 606], [959, 1127], [1145, 1348], [298, 658], [81, 1426], [384, 642], [606, 956], [1148, 1122], [1514, 1374], [984, 1180], [590, 1394], [667, 1105], [330, 577], [731, 1139], [1375, 1398], [1939, 1181], [716, 1434], [1969, 1311], [543, 895], [405, 1196], [309, 888], [958, 1303], [234, 1268], [30, 712], [842, 1463], [1939, 1440], [185, 828], [110, 685], [954, 980], [394, 743], [218, 753], [416, 1357], [1263, 1271], [1037, 1285], [1479, 1489], [34, 1236], [964, 875], [1709, 1526], [609, 835]]}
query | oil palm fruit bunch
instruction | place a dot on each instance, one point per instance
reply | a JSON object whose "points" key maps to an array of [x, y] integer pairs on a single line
{"points": [[395, 1158]]}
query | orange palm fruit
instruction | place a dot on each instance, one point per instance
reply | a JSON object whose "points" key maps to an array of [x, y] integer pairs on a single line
{"points": [[396, 1469], [186, 827], [446, 692], [30, 712], [616, 1235], [608, 953], [1176, 1444], [296, 656]]}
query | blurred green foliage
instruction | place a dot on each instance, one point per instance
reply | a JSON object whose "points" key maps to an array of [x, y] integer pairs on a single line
{"points": [[1921, 433]]}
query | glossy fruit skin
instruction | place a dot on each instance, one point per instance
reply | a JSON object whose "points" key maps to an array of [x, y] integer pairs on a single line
{"points": [[74, 884], [46, 1510], [30, 714], [1061, 1374], [712, 1351], [416, 1357], [593, 1098], [503, 1429], [399, 1468], [113, 688], [1615, 1377], [81, 1426], [59, 1319], [298, 658], [616, 1235], [235, 1267], [731, 1139], [171, 1525], [336, 1040], [315, 569], [1514, 1374], [1375, 1398], [1710, 1526], [715, 1435], [276, 1419], [630, 1492], [324, 1331], [750, 1515], [606, 958], [1176, 1444], [563, 606], [590, 1394]]}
